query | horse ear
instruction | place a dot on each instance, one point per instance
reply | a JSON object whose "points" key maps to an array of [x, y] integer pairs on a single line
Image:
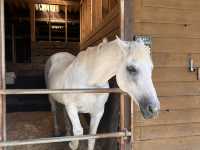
{"points": [[124, 45]]}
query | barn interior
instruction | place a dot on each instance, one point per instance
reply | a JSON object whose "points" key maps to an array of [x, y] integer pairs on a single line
{"points": [[34, 30], [27, 50]]}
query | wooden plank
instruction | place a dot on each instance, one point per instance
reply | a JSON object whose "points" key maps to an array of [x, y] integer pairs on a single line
{"points": [[105, 8], [183, 4], [176, 45], [99, 11], [170, 59], [2, 74], [168, 30], [81, 23], [167, 131], [110, 36], [168, 15], [96, 13], [113, 3], [13, 44], [66, 18], [58, 2], [111, 23], [178, 103], [106, 21], [171, 117], [174, 59], [178, 88], [89, 15], [93, 14], [181, 143], [175, 74], [32, 15], [138, 9], [126, 20]]}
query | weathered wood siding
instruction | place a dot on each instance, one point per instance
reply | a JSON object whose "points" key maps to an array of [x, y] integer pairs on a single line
{"points": [[175, 28], [41, 51], [99, 19]]}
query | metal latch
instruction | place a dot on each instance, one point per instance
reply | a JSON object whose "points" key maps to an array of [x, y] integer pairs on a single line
{"points": [[193, 68]]}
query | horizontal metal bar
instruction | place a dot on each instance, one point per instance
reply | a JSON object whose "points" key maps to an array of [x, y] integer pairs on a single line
{"points": [[64, 139], [59, 91]]}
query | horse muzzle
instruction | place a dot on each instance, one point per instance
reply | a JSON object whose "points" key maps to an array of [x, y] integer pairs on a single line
{"points": [[149, 110]]}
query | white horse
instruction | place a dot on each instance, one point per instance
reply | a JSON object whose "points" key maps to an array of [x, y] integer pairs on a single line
{"points": [[129, 61]]}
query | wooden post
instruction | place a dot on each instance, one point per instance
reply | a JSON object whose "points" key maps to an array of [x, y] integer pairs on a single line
{"points": [[2, 74], [89, 7], [13, 44], [126, 31], [50, 38], [32, 12], [80, 23], [66, 18], [127, 20]]}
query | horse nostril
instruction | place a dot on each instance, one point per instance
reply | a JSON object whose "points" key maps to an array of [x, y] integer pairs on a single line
{"points": [[150, 109]]}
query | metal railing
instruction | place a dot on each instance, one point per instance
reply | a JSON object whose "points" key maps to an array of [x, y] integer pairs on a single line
{"points": [[124, 134]]}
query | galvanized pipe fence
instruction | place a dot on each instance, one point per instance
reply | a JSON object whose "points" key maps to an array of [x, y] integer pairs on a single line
{"points": [[126, 137]]}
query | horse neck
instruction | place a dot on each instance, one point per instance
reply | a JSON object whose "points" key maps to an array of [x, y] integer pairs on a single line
{"points": [[105, 61]]}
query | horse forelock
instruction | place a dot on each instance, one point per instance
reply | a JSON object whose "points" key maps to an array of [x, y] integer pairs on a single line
{"points": [[140, 52]]}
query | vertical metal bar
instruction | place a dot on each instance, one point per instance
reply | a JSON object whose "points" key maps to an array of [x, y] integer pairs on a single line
{"points": [[132, 125], [122, 120], [2, 74]]}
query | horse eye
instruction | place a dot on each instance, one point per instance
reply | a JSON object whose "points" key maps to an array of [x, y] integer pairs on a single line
{"points": [[131, 69]]}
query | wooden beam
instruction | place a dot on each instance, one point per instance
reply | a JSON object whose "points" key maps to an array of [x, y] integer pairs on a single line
{"points": [[66, 18], [13, 44], [2, 74], [80, 23], [32, 14], [127, 20], [58, 2], [89, 15]]}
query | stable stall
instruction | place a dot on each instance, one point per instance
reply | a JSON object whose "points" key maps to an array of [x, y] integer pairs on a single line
{"points": [[40, 28], [31, 32]]}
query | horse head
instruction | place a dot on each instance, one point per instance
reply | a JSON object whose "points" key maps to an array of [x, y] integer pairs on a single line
{"points": [[134, 76]]}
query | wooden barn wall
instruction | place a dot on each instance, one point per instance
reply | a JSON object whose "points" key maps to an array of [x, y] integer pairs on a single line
{"points": [[41, 51], [175, 29], [99, 19]]}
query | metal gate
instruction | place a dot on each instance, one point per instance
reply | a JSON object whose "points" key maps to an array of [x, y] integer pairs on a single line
{"points": [[126, 136]]}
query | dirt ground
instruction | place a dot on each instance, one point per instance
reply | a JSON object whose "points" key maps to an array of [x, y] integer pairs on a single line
{"points": [[39, 124], [32, 125]]}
